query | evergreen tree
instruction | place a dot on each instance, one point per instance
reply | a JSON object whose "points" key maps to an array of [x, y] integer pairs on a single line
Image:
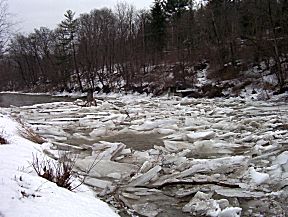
{"points": [[175, 8], [158, 26], [68, 30]]}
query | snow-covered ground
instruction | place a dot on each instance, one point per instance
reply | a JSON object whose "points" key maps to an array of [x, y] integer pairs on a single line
{"points": [[25, 194], [218, 157]]}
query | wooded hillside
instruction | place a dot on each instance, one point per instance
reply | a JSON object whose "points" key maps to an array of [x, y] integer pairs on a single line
{"points": [[129, 49]]}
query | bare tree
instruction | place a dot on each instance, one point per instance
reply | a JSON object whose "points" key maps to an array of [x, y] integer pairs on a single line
{"points": [[4, 25]]}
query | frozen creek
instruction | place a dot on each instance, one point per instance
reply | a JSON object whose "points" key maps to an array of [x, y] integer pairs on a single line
{"points": [[167, 157]]}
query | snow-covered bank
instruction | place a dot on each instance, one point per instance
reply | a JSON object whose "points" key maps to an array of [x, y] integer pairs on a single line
{"points": [[25, 194]]}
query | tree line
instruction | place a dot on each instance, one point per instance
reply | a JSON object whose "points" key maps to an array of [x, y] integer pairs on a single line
{"points": [[149, 50]]}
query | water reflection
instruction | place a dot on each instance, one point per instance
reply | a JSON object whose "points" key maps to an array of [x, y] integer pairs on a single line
{"points": [[17, 99]]}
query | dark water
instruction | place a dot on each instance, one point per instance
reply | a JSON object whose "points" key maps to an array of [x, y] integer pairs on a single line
{"points": [[17, 99], [138, 142]]}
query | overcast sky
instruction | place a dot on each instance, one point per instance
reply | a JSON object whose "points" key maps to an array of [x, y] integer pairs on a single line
{"points": [[36, 13]]}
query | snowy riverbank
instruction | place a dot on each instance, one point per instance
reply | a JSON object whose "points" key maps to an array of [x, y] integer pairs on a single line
{"points": [[25, 194]]}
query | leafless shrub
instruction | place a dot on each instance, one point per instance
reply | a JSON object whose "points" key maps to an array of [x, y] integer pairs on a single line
{"points": [[2, 141], [27, 195], [60, 172]]}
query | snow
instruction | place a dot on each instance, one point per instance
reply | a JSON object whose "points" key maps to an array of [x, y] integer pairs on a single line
{"points": [[25, 194]]}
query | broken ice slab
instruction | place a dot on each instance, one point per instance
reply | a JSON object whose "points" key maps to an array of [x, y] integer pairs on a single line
{"points": [[183, 192], [146, 166], [176, 137], [147, 209], [219, 165], [203, 147], [202, 205], [67, 147], [282, 158], [103, 131], [178, 160], [241, 193], [231, 212], [143, 208], [142, 191], [126, 151], [150, 125], [166, 131], [146, 177], [257, 177], [107, 150], [104, 168], [82, 136], [203, 135], [98, 183], [157, 199], [175, 146]]}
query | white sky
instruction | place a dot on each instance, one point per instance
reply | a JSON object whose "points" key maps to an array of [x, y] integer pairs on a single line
{"points": [[36, 13]]}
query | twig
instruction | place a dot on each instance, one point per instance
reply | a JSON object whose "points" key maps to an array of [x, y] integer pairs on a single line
{"points": [[94, 163]]}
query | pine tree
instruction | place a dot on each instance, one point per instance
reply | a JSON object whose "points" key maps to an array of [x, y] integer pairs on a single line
{"points": [[158, 26], [175, 8], [68, 30]]}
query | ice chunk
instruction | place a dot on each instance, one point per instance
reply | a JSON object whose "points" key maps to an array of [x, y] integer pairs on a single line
{"points": [[202, 204], [239, 193], [146, 177], [146, 209], [114, 175], [222, 165], [166, 131], [282, 158], [147, 165], [174, 146], [205, 135], [107, 150], [150, 125], [99, 132], [104, 168], [146, 126], [231, 212], [258, 178], [97, 183]]}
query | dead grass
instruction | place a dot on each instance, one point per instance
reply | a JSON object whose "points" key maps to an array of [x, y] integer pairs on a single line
{"points": [[29, 134], [59, 172]]}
